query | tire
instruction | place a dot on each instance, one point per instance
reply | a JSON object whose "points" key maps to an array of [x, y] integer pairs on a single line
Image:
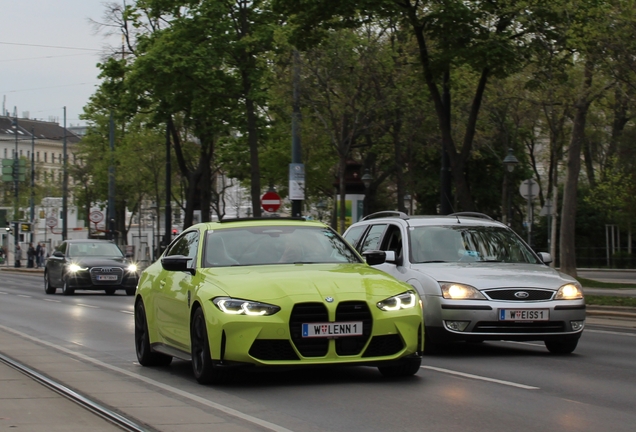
{"points": [[562, 347], [130, 291], [110, 291], [202, 366], [431, 347], [66, 290], [407, 367], [145, 356], [48, 288]]}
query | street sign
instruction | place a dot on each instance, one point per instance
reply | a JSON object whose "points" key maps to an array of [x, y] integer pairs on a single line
{"points": [[270, 201], [547, 209], [529, 189], [51, 222], [296, 181], [96, 216]]}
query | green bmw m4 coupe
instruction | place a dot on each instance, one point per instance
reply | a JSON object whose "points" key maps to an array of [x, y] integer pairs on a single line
{"points": [[273, 292]]}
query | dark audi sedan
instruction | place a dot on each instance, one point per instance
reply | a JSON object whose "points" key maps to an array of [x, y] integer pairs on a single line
{"points": [[89, 265]]}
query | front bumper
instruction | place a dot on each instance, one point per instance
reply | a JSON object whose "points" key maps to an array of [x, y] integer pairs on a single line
{"points": [[90, 280], [274, 340], [484, 322]]}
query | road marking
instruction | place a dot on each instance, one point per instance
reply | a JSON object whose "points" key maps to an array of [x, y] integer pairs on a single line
{"points": [[53, 301], [88, 306], [25, 296], [227, 410], [127, 312], [610, 332], [482, 378], [3, 292]]}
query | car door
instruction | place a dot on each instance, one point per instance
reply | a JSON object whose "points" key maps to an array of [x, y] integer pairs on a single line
{"points": [[174, 294], [55, 265], [393, 240]]}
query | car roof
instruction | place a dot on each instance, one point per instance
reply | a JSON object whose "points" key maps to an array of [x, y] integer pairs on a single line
{"points": [[468, 218], [88, 241], [263, 221]]}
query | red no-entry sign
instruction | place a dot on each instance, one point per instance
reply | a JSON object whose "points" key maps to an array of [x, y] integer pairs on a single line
{"points": [[270, 201]]}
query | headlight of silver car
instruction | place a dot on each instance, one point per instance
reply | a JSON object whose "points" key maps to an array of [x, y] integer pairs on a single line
{"points": [[244, 307], [571, 291], [74, 268], [401, 301], [457, 291]]}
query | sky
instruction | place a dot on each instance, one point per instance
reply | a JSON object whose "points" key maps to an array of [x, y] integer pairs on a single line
{"points": [[48, 56]]}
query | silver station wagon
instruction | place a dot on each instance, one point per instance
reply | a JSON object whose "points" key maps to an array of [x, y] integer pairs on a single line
{"points": [[477, 278]]}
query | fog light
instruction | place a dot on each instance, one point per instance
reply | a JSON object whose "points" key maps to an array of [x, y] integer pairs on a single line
{"points": [[577, 325], [456, 325]]}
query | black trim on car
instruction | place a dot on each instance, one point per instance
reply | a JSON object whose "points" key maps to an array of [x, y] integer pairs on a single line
{"points": [[569, 307], [466, 307]]}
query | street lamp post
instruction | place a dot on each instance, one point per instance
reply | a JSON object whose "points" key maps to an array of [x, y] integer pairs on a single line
{"points": [[321, 206], [16, 183], [367, 179], [510, 161]]}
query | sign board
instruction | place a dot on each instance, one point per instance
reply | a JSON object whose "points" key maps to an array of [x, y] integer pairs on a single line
{"points": [[547, 209], [296, 181], [529, 189], [270, 201], [51, 222], [96, 216]]}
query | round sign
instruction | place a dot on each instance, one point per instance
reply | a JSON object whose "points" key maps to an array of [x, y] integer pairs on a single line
{"points": [[529, 189], [270, 201], [96, 216], [51, 222]]}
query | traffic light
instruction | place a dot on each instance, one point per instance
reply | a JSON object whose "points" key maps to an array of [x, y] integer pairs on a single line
{"points": [[174, 232]]}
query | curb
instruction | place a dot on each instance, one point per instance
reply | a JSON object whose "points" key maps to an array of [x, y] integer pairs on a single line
{"points": [[611, 311]]}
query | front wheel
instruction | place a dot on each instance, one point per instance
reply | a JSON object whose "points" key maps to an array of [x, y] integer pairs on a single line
{"points": [[145, 356], [561, 347], [48, 288], [202, 366], [406, 367], [66, 290]]}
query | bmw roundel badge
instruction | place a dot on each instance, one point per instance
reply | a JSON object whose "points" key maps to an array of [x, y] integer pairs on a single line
{"points": [[329, 299]]}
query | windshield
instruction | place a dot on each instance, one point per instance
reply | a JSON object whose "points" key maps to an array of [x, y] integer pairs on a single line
{"points": [[468, 243], [97, 249], [265, 245]]}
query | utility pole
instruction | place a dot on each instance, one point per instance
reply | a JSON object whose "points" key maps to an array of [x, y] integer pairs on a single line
{"points": [[32, 184], [168, 234], [64, 185], [16, 181], [296, 168], [111, 181]]}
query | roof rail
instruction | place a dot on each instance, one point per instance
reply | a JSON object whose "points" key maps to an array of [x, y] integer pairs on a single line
{"points": [[382, 214], [472, 214], [263, 218]]}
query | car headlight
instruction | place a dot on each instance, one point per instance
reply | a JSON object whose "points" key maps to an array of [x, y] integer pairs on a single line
{"points": [[132, 268], [569, 291], [456, 291], [74, 268], [244, 307], [401, 301]]}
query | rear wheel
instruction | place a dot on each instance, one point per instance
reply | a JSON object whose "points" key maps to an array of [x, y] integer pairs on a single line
{"points": [[66, 290], [406, 367], [110, 291], [48, 288], [202, 366], [145, 356], [563, 346]]}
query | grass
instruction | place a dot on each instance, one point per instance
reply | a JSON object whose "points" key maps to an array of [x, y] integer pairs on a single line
{"points": [[590, 283], [610, 301]]}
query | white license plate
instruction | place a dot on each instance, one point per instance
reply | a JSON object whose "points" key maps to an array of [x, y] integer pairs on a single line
{"points": [[332, 329], [524, 314], [106, 277]]}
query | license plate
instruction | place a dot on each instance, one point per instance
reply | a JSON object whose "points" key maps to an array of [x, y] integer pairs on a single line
{"points": [[524, 314], [106, 277], [332, 329]]}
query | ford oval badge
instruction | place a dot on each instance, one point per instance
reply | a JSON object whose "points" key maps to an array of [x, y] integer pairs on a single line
{"points": [[522, 294]]}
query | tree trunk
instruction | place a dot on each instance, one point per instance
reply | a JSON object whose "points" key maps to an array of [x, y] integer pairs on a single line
{"points": [[568, 211]]}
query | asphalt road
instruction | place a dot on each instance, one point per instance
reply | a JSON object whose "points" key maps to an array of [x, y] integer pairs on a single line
{"points": [[490, 387]]}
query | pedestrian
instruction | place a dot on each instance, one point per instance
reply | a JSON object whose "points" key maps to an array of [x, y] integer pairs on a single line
{"points": [[43, 255], [18, 255], [30, 256], [38, 259]]}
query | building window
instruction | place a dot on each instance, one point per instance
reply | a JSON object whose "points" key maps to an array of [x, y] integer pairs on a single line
{"points": [[61, 159], [44, 156], [20, 153], [38, 156], [5, 153], [52, 157]]}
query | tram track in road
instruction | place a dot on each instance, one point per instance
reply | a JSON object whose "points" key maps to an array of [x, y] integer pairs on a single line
{"points": [[81, 400]]}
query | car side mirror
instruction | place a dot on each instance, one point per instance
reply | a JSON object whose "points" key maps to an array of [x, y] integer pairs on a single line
{"points": [[58, 254], [375, 257], [545, 257], [177, 263]]}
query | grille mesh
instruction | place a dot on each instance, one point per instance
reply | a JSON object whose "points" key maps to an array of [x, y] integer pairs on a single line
{"points": [[307, 313], [107, 271], [509, 294]]}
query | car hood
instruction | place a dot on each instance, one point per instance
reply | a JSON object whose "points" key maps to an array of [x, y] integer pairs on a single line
{"points": [[98, 261], [303, 282], [496, 275]]}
